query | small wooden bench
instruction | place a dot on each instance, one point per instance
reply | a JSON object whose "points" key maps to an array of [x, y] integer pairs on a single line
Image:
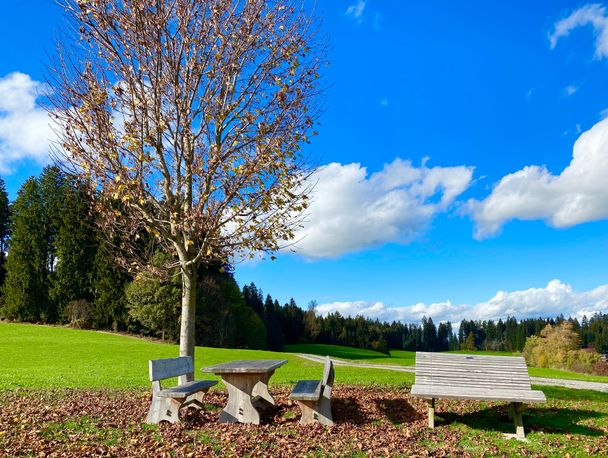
{"points": [[167, 402], [314, 397], [481, 378]]}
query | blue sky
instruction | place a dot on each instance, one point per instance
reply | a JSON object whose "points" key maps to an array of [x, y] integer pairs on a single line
{"points": [[447, 184]]}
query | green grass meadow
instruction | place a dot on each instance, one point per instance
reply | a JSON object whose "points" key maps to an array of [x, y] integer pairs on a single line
{"points": [[33, 356]]}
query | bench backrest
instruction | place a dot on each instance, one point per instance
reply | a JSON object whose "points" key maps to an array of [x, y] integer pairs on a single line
{"points": [[472, 371], [328, 373], [161, 369]]}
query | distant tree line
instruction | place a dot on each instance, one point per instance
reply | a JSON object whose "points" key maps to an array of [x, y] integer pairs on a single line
{"points": [[57, 267], [511, 334]]}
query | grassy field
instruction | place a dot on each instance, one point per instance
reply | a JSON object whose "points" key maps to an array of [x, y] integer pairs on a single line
{"points": [[53, 357], [397, 357], [407, 358]]}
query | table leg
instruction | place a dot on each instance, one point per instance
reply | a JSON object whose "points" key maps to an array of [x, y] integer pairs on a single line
{"points": [[260, 391], [239, 407]]}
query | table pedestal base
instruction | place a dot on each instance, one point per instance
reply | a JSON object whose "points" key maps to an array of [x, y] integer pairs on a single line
{"points": [[246, 394]]}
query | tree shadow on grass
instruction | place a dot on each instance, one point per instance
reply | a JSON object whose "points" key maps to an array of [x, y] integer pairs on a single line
{"points": [[547, 420], [398, 411]]}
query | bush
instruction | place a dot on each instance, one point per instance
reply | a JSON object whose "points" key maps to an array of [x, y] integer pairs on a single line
{"points": [[558, 347], [80, 314]]}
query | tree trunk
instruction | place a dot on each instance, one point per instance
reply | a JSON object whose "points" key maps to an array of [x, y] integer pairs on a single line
{"points": [[186, 335]]}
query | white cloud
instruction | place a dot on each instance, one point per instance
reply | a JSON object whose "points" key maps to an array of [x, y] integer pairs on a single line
{"points": [[570, 90], [351, 210], [25, 131], [577, 195], [356, 10], [604, 113], [556, 298], [591, 14]]}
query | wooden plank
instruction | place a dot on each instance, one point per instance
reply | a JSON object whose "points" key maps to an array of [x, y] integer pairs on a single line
{"points": [[455, 381], [254, 366], [161, 369], [437, 366], [432, 355], [429, 392], [474, 373], [307, 390], [185, 390]]}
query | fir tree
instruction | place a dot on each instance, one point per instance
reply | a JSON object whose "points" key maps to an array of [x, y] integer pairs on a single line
{"points": [[26, 287], [4, 229], [107, 288], [74, 248]]}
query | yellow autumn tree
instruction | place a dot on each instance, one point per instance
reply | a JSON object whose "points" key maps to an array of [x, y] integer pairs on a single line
{"points": [[558, 347]]}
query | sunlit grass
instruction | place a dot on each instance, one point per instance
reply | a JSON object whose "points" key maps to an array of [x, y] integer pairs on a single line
{"points": [[34, 356]]}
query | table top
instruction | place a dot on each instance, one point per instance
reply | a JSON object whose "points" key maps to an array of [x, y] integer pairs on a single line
{"points": [[247, 366]]}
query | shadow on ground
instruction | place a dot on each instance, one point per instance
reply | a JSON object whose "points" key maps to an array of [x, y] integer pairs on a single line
{"points": [[547, 420]]}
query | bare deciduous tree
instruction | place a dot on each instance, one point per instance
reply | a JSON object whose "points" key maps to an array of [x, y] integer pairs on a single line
{"points": [[188, 118]]}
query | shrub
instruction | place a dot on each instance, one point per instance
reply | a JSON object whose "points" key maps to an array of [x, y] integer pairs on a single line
{"points": [[80, 314], [558, 347]]}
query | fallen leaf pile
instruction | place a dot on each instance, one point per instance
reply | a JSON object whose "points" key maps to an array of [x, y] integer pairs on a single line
{"points": [[369, 422]]}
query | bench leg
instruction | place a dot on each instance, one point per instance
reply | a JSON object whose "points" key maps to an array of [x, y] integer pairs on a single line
{"points": [[195, 400], [316, 411], [516, 411], [163, 409], [431, 403]]}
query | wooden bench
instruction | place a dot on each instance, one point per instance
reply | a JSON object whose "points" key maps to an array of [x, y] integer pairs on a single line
{"points": [[314, 397], [167, 402], [481, 378]]}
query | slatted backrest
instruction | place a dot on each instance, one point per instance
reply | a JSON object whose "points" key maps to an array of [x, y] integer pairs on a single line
{"points": [[472, 371], [328, 373], [161, 369]]}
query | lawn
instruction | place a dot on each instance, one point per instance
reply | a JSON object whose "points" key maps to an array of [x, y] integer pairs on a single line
{"points": [[83, 393], [360, 355], [55, 357]]}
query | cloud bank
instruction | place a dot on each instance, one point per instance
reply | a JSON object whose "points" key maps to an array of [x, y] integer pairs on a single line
{"points": [[592, 14], [577, 195], [25, 131], [351, 210], [556, 298]]}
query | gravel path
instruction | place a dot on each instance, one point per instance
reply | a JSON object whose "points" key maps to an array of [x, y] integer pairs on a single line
{"points": [[578, 384]]}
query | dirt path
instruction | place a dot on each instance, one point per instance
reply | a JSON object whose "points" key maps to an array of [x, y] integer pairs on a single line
{"points": [[578, 384]]}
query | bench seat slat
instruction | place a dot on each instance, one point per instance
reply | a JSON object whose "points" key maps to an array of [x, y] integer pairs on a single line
{"points": [[185, 390], [422, 355], [306, 390], [429, 392], [474, 384], [455, 365]]}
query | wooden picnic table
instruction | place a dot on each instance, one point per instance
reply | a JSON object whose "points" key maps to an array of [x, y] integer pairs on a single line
{"points": [[247, 384]]}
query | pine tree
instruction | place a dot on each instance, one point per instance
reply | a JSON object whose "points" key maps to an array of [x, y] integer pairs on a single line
{"points": [[4, 229], [107, 288], [74, 248], [469, 343], [26, 285]]}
